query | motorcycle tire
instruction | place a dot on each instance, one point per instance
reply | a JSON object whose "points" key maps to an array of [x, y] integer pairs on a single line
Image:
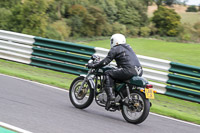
{"points": [[77, 101], [145, 108]]}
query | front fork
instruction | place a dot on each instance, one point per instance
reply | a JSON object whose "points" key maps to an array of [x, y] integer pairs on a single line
{"points": [[85, 80]]}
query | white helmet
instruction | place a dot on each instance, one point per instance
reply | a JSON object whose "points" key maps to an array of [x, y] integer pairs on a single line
{"points": [[117, 39]]}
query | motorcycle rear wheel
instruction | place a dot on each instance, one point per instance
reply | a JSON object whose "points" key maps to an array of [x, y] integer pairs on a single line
{"points": [[85, 97], [139, 110]]}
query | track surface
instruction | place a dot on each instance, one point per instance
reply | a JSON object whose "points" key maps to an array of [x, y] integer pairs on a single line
{"points": [[43, 109]]}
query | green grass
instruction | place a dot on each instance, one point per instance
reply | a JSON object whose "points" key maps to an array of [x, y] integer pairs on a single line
{"points": [[186, 53], [45, 76], [176, 108], [179, 52]]}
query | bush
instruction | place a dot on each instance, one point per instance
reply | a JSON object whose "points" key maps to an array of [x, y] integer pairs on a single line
{"points": [[62, 28], [107, 29], [188, 33], [145, 31], [197, 26], [52, 33], [153, 29], [132, 30], [119, 28], [191, 9], [166, 21], [5, 14]]}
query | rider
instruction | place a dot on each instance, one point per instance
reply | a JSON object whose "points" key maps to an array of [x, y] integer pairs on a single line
{"points": [[127, 63]]}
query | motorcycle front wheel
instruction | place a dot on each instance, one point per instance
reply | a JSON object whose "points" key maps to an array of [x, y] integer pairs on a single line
{"points": [[137, 109], [85, 97]]}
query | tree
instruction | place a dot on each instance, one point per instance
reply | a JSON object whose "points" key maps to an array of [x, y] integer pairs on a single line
{"points": [[109, 7], [5, 14], [29, 20], [169, 2], [158, 2], [131, 12], [167, 21], [9, 3], [62, 28], [148, 2], [99, 20], [57, 9], [191, 9]]}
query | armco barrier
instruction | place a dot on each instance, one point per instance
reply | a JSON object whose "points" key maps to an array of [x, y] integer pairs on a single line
{"points": [[169, 78]]}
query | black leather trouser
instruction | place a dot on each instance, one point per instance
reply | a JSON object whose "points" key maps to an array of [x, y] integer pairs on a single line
{"points": [[121, 74]]}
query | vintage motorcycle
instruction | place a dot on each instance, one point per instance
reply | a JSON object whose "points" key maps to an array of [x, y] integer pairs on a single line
{"points": [[131, 96]]}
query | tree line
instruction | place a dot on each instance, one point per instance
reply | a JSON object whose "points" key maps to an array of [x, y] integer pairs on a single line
{"points": [[60, 19]]}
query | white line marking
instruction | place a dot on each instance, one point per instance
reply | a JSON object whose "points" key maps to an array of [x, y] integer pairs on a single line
{"points": [[68, 91], [175, 119], [13, 128]]}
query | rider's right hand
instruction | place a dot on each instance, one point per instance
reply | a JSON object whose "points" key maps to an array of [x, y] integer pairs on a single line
{"points": [[90, 65]]}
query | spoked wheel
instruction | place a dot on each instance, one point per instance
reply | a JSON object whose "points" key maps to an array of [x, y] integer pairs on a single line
{"points": [[137, 109], [83, 98]]}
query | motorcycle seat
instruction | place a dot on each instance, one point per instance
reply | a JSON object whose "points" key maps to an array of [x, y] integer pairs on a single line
{"points": [[135, 80]]}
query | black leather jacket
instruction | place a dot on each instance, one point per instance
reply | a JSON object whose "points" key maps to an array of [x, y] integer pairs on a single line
{"points": [[124, 56]]}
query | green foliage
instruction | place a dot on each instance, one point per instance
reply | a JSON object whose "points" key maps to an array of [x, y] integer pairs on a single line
{"points": [[189, 33], [152, 28], [158, 2], [191, 9], [132, 30], [88, 21], [145, 31], [197, 26], [131, 12], [107, 29], [100, 20], [62, 28], [52, 33], [170, 2], [119, 28], [109, 7], [9, 3], [29, 20], [5, 14], [60, 19], [166, 21], [185, 32], [83, 17], [56, 9]]}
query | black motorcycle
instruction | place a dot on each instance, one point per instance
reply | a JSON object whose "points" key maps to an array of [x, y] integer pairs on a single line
{"points": [[131, 96]]}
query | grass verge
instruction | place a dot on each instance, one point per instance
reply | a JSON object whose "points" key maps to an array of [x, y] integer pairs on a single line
{"points": [[164, 105], [54, 78], [186, 53]]}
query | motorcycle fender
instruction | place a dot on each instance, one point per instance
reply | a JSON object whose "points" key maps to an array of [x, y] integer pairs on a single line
{"points": [[91, 81]]}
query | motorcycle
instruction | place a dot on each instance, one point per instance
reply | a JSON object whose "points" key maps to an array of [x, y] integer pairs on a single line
{"points": [[131, 96]]}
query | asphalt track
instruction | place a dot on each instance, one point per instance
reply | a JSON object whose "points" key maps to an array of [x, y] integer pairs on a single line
{"points": [[43, 109]]}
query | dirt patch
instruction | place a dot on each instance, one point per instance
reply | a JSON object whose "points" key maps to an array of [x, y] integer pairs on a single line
{"points": [[177, 8]]}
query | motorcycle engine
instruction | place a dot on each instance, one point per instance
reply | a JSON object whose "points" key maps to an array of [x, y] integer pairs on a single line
{"points": [[102, 97]]}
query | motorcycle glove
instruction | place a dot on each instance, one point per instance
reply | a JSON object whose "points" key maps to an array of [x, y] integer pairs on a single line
{"points": [[90, 65]]}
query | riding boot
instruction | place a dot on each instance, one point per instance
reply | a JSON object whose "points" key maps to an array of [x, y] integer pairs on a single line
{"points": [[110, 97]]}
